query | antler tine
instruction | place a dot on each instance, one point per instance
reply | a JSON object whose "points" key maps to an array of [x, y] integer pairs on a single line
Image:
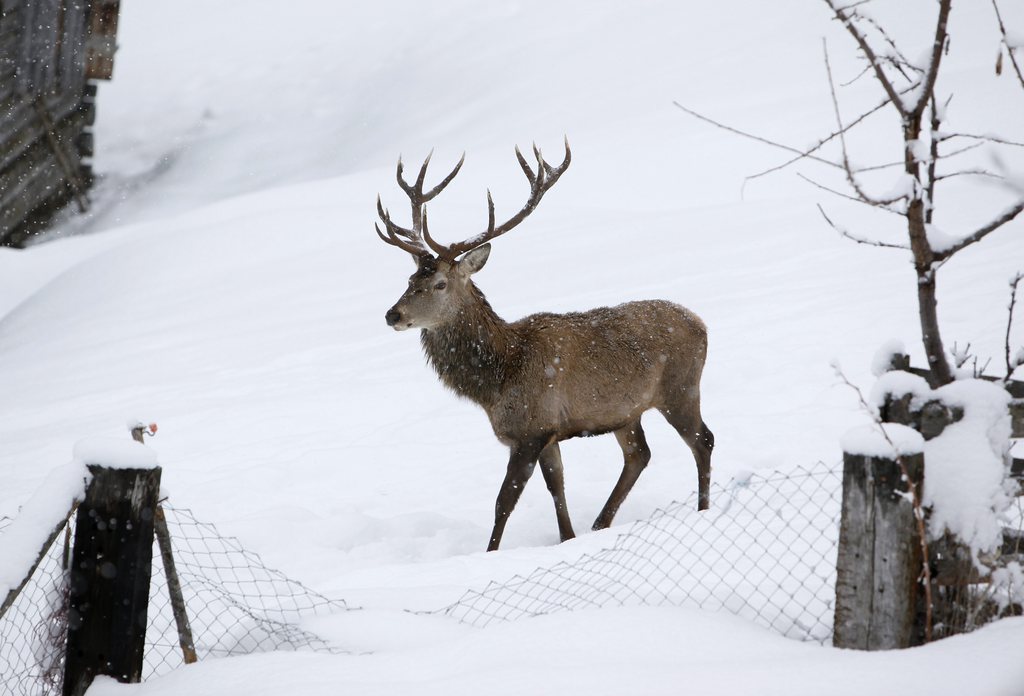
{"points": [[417, 241], [540, 183], [393, 240], [423, 174], [440, 249], [397, 235], [418, 235], [391, 226], [429, 195], [525, 165], [490, 211], [415, 191]]}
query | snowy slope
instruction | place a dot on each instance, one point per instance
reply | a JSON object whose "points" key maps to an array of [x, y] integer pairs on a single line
{"points": [[233, 291]]}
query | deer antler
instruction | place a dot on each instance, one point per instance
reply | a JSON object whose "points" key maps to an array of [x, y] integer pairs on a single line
{"points": [[411, 240], [540, 182], [418, 242]]}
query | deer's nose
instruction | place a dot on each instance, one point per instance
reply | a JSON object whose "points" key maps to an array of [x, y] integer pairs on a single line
{"points": [[393, 316]]}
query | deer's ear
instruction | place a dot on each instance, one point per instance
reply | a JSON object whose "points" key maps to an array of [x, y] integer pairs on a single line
{"points": [[474, 260]]}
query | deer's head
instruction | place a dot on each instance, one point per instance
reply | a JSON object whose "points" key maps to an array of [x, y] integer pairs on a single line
{"points": [[441, 284], [436, 290]]}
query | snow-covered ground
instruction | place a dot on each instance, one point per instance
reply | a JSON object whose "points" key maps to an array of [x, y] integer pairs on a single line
{"points": [[231, 289]]}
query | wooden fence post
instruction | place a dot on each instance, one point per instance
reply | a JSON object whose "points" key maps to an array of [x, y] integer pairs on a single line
{"points": [[879, 564], [109, 580]]}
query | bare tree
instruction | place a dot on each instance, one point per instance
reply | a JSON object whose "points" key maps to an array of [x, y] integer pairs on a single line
{"points": [[929, 154]]}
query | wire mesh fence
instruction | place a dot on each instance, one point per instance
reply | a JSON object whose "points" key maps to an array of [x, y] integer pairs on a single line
{"points": [[236, 605], [765, 551], [34, 628]]}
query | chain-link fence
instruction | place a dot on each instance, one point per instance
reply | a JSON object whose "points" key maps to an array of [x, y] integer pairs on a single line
{"points": [[766, 551], [34, 628], [236, 605]]}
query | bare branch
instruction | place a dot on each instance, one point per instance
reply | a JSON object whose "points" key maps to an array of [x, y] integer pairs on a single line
{"points": [[943, 137], [860, 240], [970, 172], [1006, 43], [758, 138], [851, 178], [844, 16], [900, 61], [933, 160], [982, 232], [856, 77], [1011, 364], [855, 199], [966, 148], [806, 154], [938, 45]]}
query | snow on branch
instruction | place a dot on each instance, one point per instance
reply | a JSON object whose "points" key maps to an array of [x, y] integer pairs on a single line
{"points": [[1009, 214]]}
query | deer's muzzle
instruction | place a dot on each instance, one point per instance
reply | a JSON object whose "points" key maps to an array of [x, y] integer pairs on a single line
{"points": [[393, 316]]}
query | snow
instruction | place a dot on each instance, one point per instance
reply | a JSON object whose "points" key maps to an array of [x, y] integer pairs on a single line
{"points": [[882, 440], [898, 383], [882, 360], [229, 285], [938, 240], [49, 505], [613, 652], [115, 453], [965, 466]]}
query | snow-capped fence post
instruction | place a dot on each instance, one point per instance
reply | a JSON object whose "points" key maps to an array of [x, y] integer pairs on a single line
{"points": [[880, 557], [110, 571]]}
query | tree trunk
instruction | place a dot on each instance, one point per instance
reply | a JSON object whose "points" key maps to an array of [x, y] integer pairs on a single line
{"points": [[934, 350], [924, 260]]}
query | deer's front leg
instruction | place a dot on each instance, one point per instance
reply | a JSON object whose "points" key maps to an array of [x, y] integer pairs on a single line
{"points": [[551, 466], [521, 461]]}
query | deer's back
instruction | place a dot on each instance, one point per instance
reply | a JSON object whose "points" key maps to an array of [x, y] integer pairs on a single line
{"points": [[584, 373]]}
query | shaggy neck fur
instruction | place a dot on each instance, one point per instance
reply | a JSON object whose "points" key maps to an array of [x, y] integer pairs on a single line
{"points": [[471, 353]]}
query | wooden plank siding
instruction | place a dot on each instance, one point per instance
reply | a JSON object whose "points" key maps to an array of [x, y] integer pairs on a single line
{"points": [[47, 104]]}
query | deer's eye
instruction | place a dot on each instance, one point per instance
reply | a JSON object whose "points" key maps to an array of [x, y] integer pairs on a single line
{"points": [[440, 285]]}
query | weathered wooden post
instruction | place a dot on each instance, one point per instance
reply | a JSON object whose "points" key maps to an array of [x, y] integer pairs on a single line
{"points": [[110, 569], [880, 559]]}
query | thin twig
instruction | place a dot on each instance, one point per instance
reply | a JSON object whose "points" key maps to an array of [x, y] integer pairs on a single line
{"points": [[1010, 367], [933, 160], [938, 44], [970, 172], [1006, 43], [860, 240], [987, 138], [758, 138], [851, 179], [847, 20], [855, 199], [962, 150], [829, 138]]}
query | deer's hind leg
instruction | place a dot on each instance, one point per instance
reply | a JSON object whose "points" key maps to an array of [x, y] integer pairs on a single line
{"points": [[551, 466], [636, 455], [685, 418]]}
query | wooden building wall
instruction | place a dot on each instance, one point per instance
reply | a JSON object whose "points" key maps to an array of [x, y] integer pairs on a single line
{"points": [[50, 53]]}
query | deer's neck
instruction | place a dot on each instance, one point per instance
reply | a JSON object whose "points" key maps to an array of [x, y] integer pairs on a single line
{"points": [[472, 352]]}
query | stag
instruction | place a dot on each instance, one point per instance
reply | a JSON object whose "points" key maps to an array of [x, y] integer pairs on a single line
{"points": [[548, 377]]}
